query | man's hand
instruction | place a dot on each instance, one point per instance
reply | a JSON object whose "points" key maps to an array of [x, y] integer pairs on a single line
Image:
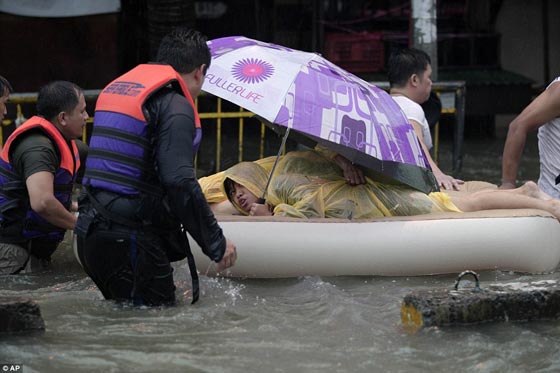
{"points": [[229, 258], [352, 173], [448, 182]]}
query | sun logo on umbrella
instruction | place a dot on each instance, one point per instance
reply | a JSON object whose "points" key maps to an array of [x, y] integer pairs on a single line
{"points": [[252, 70]]}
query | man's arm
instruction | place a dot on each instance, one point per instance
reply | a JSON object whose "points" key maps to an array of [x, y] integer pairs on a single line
{"points": [[174, 154], [35, 158], [543, 109], [44, 203], [445, 181]]}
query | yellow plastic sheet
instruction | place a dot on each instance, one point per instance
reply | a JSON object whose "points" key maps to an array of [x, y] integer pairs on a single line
{"points": [[306, 184]]}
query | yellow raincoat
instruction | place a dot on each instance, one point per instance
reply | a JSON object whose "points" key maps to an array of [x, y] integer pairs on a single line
{"points": [[307, 184], [212, 185]]}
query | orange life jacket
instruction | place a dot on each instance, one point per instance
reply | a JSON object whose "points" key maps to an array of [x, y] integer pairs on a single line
{"points": [[18, 220], [119, 145]]}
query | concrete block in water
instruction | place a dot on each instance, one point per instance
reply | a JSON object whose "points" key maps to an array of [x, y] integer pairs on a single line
{"points": [[20, 315], [498, 302]]}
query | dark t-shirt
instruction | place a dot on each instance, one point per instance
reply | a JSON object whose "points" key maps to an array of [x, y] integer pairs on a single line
{"points": [[35, 152], [32, 153]]}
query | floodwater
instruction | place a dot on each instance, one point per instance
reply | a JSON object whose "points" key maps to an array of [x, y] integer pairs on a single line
{"points": [[307, 324]]}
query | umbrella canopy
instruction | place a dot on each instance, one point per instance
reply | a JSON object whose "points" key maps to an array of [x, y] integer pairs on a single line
{"points": [[315, 98]]}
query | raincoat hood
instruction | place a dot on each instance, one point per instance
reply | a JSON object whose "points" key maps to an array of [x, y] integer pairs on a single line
{"points": [[250, 175]]}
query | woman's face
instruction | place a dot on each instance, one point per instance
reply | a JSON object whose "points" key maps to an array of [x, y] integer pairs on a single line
{"points": [[242, 196]]}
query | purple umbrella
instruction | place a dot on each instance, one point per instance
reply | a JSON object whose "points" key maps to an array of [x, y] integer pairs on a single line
{"points": [[313, 97]]}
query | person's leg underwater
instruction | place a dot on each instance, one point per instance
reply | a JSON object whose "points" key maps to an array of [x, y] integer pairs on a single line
{"points": [[127, 265]]}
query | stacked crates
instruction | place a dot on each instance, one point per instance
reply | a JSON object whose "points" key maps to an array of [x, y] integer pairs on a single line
{"points": [[362, 52]]}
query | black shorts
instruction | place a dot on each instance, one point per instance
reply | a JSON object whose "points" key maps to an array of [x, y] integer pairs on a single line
{"points": [[127, 265]]}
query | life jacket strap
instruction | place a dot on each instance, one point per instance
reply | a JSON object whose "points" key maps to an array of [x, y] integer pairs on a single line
{"points": [[109, 215], [8, 205], [121, 158], [9, 174], [117, 134], [110, 177], [13, 191]]}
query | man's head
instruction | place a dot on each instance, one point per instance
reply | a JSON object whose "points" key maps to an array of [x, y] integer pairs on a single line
{"points": [[63, 104], [187, 52], [410, 70], [5, 90]]}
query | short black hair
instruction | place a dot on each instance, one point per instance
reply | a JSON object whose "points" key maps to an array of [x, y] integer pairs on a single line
{"points": [[5, 86], [56, 97], [404, 63], [184, 49]]}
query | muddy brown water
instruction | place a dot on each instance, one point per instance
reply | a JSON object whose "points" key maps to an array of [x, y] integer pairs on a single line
{"points": [[307, 324]]}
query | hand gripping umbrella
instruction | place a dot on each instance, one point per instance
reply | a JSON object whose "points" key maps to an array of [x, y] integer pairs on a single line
{"points": [[310, 96]]}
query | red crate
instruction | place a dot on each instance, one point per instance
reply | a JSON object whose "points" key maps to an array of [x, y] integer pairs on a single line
{"points": [[358, 53]]}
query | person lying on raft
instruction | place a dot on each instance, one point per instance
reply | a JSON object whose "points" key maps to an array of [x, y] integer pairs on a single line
{"points": [[212, 185], [308, 185]]}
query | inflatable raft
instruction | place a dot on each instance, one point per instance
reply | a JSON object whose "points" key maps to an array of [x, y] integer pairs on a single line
{"points": [[507, 240], [521, 240]]}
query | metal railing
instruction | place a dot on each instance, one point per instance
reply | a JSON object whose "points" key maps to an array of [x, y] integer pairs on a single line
{"points": [[219, 115], [31, 98], [452, 95]]}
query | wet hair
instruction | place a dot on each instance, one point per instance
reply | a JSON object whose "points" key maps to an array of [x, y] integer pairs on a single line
{"points": [[404, 63], [5, 86], [56, 97], [229, 187], [184, 49]]}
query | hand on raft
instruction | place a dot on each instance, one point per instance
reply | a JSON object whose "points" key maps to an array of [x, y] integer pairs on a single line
{"points": [[229, 258], [448, 182]]}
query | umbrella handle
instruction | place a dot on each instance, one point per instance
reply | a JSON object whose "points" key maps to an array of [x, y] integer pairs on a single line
{"points": [[262, 199]]}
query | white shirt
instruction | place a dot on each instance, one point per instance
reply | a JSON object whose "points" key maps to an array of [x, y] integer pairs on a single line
{"points": [[414, 111], [549, 154]]}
